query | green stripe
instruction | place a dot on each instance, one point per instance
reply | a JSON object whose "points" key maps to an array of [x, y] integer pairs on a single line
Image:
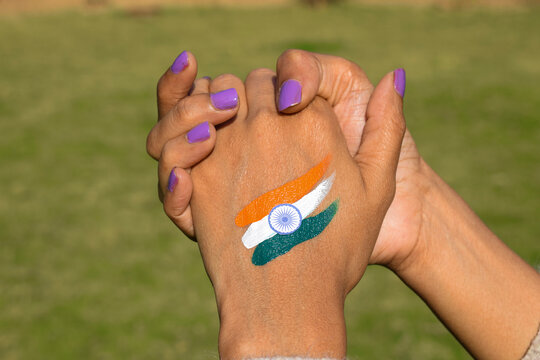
{"points": [[280, 244]]}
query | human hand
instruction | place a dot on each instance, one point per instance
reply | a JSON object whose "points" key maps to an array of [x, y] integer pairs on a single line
{"points": [[187, 114], [346, 87], [256, 153], [430, 237]]}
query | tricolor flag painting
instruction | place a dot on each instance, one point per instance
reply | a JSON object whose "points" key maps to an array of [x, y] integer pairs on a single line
{"points": [[278, 220]]}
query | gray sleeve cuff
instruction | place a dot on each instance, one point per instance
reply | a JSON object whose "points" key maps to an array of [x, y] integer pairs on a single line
{"points": [[533, 353]]}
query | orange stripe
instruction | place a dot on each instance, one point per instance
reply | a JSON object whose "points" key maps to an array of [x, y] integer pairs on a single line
{"points": [[286, 194]]}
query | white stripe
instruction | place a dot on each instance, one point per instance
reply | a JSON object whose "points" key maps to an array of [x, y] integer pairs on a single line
{"points": [[260, 230]]}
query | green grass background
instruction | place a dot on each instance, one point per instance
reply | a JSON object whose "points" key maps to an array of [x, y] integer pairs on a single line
{"points": [[91, 268]]}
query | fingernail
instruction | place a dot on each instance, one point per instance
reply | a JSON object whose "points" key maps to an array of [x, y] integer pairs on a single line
{"points": [[180, 63], [290, 94], [199, 133], [173, 180], [207, 78], [399, 81], [226, 99]]}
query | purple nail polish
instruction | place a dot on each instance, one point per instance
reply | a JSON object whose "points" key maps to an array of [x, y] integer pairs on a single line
{"points": [[199, 133], [290, 94], [173, 180], [399, 81], [224, 100], [180, 63]]}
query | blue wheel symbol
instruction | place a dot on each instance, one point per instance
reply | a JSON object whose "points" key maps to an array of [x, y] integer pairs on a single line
{"points": [[285, 219]]}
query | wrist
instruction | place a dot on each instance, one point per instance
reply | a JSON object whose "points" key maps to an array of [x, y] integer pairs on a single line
{"points": [[277, 325], [445, 220], [442, 219], [410, 235]]}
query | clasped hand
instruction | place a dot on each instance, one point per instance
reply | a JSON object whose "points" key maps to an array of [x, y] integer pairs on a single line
{"points": [[208, 174], [293, 182]]}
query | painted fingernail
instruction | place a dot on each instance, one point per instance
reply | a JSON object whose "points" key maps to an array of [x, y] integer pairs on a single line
{"points": [[290, 94], [199, 133], [224, 100], [180, 63], [173, 181], [399, 81]]}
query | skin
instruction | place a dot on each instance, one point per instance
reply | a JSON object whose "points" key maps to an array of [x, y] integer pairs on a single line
{"points": [[481, 290], [257, 316]]}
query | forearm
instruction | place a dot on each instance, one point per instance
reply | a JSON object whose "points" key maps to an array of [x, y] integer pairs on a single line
{"points": [[482, 291]]}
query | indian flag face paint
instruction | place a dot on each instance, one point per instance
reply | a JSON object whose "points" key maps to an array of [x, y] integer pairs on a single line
{"points": [[285, 194], [278, 220], [270, 225]]}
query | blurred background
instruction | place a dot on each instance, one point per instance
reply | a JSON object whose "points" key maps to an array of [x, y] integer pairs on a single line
{"points": [[91, 268]]}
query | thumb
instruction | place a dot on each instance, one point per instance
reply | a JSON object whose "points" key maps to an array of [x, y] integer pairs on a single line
{"points": [[176, 82], [380, 147], [302, 75]]}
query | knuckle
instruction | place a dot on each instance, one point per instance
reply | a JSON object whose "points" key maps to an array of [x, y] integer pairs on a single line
{"points": [[352, 68], [263, 116], [226, 79], [187, 108], [292, 56], [167, 208], [166, 163], [168, 153], [260, 72], [200, 85], [354, 76], [150, 146]]}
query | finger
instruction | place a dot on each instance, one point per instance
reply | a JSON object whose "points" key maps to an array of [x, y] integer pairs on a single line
{"points": [[176, 82], [228, 81], [190, 111], [260, 90], [302, 75], [185, 151], [330, 77], [176, 201], [201, 86], [379, 150]]}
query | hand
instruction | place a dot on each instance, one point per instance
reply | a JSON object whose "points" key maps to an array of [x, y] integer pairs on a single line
{"points": [[430, 237], [346, 87], [187, 114], [258, 152]]}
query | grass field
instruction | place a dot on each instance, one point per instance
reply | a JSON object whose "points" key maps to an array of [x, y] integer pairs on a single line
{"points": [[90, 267]]}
